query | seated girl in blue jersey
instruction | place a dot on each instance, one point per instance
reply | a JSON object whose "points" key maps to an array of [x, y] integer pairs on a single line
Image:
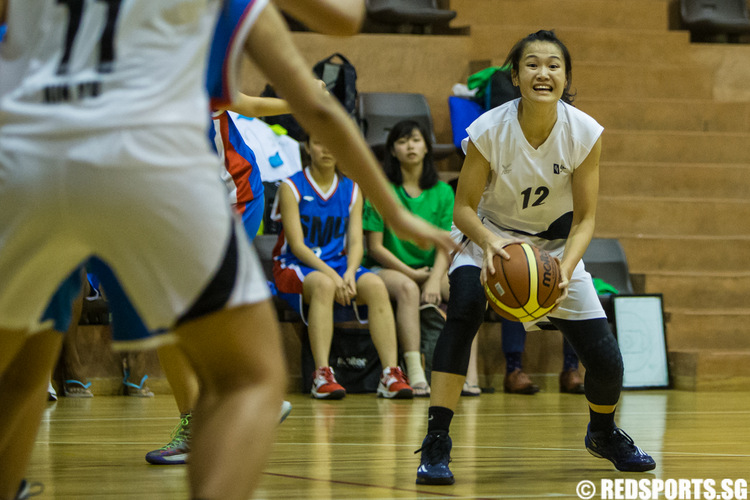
{"points": [[317, 263], [412, 275]]}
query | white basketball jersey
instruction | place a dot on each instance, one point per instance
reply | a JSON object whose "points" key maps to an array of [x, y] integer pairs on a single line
{"points": [[529, 191], [70, 67]]}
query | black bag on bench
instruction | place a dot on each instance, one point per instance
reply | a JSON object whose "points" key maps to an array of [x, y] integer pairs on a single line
{"points": [[353, 357]]}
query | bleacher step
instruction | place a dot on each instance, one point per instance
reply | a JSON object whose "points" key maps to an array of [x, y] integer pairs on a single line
{"points": [[701, 290], [710, 370], [632, 81], [589, 44], [697, 115], [675, 146], [676, 180], [659, 252], [674, 216], [696, 328], [559, 14]]}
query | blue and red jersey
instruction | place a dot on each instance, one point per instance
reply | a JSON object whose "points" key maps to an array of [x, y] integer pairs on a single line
{"points": [[324, 216]]}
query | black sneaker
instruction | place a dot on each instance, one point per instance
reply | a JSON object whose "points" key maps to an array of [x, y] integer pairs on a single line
{"points": [[436, 455], [619, 448]]}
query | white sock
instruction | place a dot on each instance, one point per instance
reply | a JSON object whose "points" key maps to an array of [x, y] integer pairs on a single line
{"points": [[414, 369]]}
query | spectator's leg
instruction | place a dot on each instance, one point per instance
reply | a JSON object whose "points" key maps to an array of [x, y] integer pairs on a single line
{"points": [[471, 385], [372, 291], [75, 382], [319, 292], [514, 341], [406, 293]]}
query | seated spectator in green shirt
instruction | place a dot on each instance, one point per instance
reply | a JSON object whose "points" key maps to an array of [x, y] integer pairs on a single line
{"points": [[413, 276]]}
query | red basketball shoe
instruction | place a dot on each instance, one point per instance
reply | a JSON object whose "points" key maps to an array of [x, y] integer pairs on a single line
{"points": [[325, 386], [393, 384]]}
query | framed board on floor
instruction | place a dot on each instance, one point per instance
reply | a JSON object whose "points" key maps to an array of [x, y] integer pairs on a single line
{"points": [[639, 324]]}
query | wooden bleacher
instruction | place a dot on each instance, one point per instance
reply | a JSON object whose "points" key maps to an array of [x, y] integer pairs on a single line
{"points": [[675, 159], [675, 162]]}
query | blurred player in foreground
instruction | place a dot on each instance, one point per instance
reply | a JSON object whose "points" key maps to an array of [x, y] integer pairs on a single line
{"points": [[103, 158]]}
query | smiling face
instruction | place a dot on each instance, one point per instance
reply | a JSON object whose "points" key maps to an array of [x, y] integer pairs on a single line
{"points": [[541, 72]]}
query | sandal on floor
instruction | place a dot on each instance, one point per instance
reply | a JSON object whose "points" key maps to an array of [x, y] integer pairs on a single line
{"points": [[471, 390], [76, 389], [28, 490], [51, 393], [421, 390], [139, 391]]}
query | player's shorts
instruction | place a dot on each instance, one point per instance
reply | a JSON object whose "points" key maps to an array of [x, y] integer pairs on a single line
{"points": [[58, 312], [145, 210], [289, 280], [582, 302]]}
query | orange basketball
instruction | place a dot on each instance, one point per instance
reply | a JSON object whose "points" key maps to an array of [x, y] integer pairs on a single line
{"points": [[525, 287]]}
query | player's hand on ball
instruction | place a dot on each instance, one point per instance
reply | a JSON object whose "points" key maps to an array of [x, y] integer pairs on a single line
{"points": [[524, 287], [417, 230], [492, 247]]}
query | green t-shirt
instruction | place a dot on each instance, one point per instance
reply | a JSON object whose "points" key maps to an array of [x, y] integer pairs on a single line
{"points": [[434, 205]]}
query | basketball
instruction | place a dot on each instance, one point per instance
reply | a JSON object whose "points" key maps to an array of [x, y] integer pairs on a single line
{"points": [[525, 287]]}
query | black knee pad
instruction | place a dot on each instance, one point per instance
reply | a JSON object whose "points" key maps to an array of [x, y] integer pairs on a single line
{"points": [[599, 352], [467, 303], [466, 308]]}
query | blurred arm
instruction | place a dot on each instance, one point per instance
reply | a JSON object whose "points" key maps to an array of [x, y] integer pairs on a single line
{"points": [[383, 256], [259, 106], [270, 47], [332, 17]]}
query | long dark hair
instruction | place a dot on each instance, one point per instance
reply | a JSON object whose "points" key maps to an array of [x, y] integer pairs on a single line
{"points": [[392, 166], [514, 57]]}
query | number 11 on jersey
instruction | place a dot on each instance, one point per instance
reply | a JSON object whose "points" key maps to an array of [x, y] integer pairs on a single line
{"points": [[106, 40]]}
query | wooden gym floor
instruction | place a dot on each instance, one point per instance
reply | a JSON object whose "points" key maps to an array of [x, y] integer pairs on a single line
{"points": [[505, 446]]}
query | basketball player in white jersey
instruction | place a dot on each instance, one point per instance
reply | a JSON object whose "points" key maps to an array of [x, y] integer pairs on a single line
{"points": [[335, 17], [532, 174], [103, 159]]}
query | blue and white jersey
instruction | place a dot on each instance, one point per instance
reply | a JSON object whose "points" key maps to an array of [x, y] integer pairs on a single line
{"points": [[324, 216], [89, 66], [235, 20]]}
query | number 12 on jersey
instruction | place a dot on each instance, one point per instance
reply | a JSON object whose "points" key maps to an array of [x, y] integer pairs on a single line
{"points": [[540, 194]]}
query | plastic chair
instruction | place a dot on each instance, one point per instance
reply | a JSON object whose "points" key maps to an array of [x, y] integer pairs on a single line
{"points": [[380, 111], [463, 112], [407, 13], [605, 259], [715, 17]]}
